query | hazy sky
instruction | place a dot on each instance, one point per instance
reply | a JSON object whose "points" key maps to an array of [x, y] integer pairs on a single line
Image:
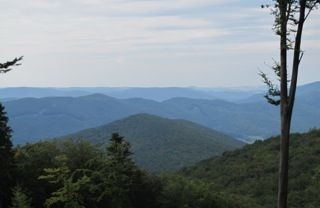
{"points": [[144, 42]]}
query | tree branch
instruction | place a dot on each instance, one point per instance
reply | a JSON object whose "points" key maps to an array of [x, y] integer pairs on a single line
{"points": [[5, 67], [297, 55], [310, 9]]}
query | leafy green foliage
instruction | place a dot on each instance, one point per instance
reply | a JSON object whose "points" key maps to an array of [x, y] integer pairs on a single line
{"points": [[67, 195], [75, 173], [20, 199], [32, 159], [273, 93], [181, 192], [252, 171], [119, 182]]}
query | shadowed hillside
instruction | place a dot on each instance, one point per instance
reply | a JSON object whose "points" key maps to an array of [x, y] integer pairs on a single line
{"points": [[163, 144], [253, 170]]}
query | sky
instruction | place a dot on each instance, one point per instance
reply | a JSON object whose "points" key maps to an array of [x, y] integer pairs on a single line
{"points": [[144, 43]]}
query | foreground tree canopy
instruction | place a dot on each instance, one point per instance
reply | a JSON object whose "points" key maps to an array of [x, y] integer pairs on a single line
{"points": [[75, 173]]}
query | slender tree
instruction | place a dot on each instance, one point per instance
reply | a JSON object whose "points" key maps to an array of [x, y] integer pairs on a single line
{"points": [[290, 16], [117, 182], [119, 173]]}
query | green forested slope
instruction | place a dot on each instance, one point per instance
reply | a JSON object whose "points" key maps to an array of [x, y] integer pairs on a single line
{"points": [[252, 171], [163, 144], [75, 173]]}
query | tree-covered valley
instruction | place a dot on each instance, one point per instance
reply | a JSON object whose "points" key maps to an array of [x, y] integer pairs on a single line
{"points": [[139, 160], [159, 104], [78, 173]]}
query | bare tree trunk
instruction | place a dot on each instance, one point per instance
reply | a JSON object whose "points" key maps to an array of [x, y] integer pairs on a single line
{"points": [[284, 161], [287, 102], [285, 123]]}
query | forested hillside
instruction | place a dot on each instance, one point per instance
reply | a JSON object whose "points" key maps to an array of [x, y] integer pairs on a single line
{"points": [[69, 173], [253, 170], [159, 104], [88, 175], [163, 144]]}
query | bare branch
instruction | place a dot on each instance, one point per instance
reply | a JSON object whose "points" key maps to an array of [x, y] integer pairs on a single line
{"points": [[314, 5], [6, 67], [301, 56]]}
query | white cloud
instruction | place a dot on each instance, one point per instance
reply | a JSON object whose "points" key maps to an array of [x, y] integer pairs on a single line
{"points": [[58, 36]]}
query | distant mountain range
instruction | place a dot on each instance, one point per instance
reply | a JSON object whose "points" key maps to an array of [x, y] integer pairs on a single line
{"points": [[248, 119], [153, 93], [162, 144], [236, 94]]}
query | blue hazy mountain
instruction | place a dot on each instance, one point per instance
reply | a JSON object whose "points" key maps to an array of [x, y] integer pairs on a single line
{"points": [[157, 94], [308, 91], [241, 94], [163, 144], [35, 92], [36, 118]]}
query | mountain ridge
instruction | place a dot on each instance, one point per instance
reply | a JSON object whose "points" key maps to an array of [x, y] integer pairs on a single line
{"points": [[57, 116], [160, 143], [234, 94]]}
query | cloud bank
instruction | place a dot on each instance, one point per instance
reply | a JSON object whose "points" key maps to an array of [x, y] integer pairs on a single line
{"points": [[142, 42]]}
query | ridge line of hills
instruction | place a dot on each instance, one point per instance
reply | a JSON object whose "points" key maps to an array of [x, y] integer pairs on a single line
{"points": [[162, 144], [233, 94], [58, 116]]}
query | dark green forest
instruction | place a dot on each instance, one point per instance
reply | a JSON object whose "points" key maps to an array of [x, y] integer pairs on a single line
{"points": [[252, 171], [77, 173], [98, 151], [161, 144]]}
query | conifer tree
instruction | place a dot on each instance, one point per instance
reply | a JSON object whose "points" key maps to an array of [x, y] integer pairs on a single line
{"points": [[20, 199], [118, 173], [119, 182], [6, 160]]}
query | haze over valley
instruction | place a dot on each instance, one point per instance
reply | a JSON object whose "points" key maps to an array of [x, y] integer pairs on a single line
{"points": [[246, 117], [159, 104]]}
